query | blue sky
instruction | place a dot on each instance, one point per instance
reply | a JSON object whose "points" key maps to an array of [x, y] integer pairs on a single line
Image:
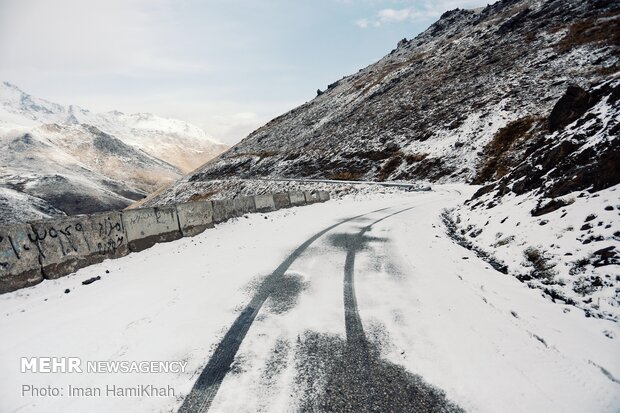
{"points": [[226, 65]]}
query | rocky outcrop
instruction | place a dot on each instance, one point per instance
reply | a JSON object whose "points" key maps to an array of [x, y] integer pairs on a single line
{"points": [[571, 106], [581, 153], [552, 218]]}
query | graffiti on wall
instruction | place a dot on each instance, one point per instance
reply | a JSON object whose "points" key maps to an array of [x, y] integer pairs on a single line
{"points": [[50, 240]]}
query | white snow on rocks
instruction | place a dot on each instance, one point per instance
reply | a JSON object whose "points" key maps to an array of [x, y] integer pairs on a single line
{"points": [[557, 251]]}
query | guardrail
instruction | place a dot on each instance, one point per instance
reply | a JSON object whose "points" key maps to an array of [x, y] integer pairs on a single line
{"points": [[403, 185], [54, 248]]}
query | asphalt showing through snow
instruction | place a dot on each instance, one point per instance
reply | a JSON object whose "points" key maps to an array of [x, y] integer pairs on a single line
{"points": [[209, 381], [358, 379], [357, 343], [363, 382]]}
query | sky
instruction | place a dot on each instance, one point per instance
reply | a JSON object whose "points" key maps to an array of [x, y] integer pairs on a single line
{"points": [[228, 66]]}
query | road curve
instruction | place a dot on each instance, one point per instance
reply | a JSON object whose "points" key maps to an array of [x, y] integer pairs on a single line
{"points": [[371, 384]]}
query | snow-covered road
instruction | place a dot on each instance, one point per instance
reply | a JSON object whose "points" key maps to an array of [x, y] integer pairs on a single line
{"points": [[342, 306]]}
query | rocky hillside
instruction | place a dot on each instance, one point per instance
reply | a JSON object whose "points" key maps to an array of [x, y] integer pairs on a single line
{"points": [[553, 219], [60, 160], [521, 97], [433, 107]]}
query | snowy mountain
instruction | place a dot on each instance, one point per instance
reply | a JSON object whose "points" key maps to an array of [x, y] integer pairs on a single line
{"points": [[430, 107], [67, 160], [520, 97], [53, 169], [179, 143]]}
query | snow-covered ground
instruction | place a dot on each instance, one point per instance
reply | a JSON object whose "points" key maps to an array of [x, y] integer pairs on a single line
{"points": [[426, 304], [570, 252]]}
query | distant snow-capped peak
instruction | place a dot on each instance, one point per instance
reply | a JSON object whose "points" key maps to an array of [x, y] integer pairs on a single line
{"points": [[178, 142], [15, 103], [20, 108]]}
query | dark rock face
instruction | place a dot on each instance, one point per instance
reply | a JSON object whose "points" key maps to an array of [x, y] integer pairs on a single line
{"points": [[430, 108], [570, 160], [549, 207], [571, 106], [108, 143], [588, 164], [22, 143]]}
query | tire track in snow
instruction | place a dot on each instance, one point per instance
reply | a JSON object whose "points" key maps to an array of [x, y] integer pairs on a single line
{"points": [[357, 344], [356, 378], [209, 381]]}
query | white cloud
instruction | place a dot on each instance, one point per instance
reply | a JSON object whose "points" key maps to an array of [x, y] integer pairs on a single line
{"points": [[393, 15], [363, 23], [422, 10], [228, 121]]}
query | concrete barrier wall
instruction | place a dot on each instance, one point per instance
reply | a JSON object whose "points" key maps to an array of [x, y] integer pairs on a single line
{"points": [[312, 197], [281, 200], [149, 226], [244, 205], [264, 203], [54, 248], [297, 198], [48, 249], [223, 209], [68, 244], [195, 217], [19, 258]]}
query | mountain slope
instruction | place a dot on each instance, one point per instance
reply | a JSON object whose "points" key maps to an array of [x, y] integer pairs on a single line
{"points": [[177, 142], [520, 97], [66, 160], [72, 169], [552, 220], [428, 108]]}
